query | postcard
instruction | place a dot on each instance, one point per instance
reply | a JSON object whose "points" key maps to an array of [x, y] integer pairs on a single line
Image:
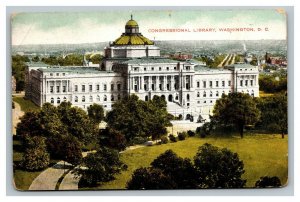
{"points": [[149, 99]]}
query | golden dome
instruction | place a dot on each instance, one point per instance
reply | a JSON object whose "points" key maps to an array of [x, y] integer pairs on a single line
{"points": [[132, 23], [132, 35]]}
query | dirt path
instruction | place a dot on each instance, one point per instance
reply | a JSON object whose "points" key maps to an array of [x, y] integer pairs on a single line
{"points": [[17, 113]]}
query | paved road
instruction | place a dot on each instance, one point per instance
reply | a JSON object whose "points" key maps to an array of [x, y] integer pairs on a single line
{"points": [[48, 179], [69, 182]]}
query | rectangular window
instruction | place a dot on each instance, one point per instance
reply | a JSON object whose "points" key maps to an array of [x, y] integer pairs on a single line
{"points": [[210, 83], [76, 88], [98, 87], [241, 82], [229, 83], [204, 84], [223, 83], [57, 89], [198, 84], [51, 89], [217, 83], [112, 86], [83, 88], [91, 88], [64, 89], [246, 83], [119, 87], [251, 82], [104, 87]]}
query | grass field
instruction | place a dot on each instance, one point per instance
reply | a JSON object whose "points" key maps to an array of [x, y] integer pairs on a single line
{"points": [[26, 105], [262, 155]]}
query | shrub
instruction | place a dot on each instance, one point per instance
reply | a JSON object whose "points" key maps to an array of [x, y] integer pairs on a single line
{"points": [[198, 130], [268, 182], [172, 138], [164, 140], [191, 133], [182, 136]]}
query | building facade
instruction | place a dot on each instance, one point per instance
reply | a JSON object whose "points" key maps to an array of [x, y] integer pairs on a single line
{"points": [[132, 65]]}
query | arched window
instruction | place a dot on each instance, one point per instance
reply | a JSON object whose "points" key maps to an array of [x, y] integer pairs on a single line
{"points": [[217, 93], [198, 94], [58, 100], [211, 94], [188, 97], [52, 100], [98, 98], [146, 98], [112, 98], [65, 99], [105, 98], [204, 94], [83, 98], [91, 98], [76, 99]]}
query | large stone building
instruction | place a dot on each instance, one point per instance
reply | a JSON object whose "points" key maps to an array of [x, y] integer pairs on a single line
{"points": [[132, 65]]}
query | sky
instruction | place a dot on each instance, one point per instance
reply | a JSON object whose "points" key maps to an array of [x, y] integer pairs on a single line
{"points": [[103, 26]]}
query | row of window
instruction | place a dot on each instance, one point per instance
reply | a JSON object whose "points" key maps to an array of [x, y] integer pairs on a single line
{"points": [[91, 99], [160, 68], [57, 74], [204, 84], [97, 87], [246, 82]]}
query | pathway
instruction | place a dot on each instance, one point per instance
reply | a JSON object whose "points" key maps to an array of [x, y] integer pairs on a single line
{"points": [[17, 113], [48, 179]]}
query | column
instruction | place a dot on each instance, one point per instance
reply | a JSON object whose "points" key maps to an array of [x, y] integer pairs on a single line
{"points": [[142, 83]]}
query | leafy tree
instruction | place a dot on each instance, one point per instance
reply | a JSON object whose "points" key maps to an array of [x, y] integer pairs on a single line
{"points": [[274, 120], [180, 170], [150, 178], [35, 156], [113, 139], [79, 125], [137, 118], [238, 109], [96, 113], [29, 124], [219, 168], [18, 70], [71, 150], [101, 166], [268, 182], [35, 59]]}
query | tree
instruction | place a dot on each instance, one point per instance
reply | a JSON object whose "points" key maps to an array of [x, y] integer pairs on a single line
{"points": [[274, 120], [238, 109], [35, 156], [268, 182], [71, 150], [100, 166], [150, 178], [137, 118], [219, 168], [113, 139], [180, 170], [29, 125], [96, 113]]}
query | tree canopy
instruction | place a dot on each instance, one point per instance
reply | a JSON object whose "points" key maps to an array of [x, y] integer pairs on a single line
{"points": [[137, 118], [219, 168], [237, 109]]}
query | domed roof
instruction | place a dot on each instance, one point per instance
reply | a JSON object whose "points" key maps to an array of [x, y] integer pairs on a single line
{"points": [[132, 23], [132, 35]]}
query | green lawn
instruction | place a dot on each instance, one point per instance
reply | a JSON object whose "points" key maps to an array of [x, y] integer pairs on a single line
{"points": [[262, 155], [26, 105]]}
